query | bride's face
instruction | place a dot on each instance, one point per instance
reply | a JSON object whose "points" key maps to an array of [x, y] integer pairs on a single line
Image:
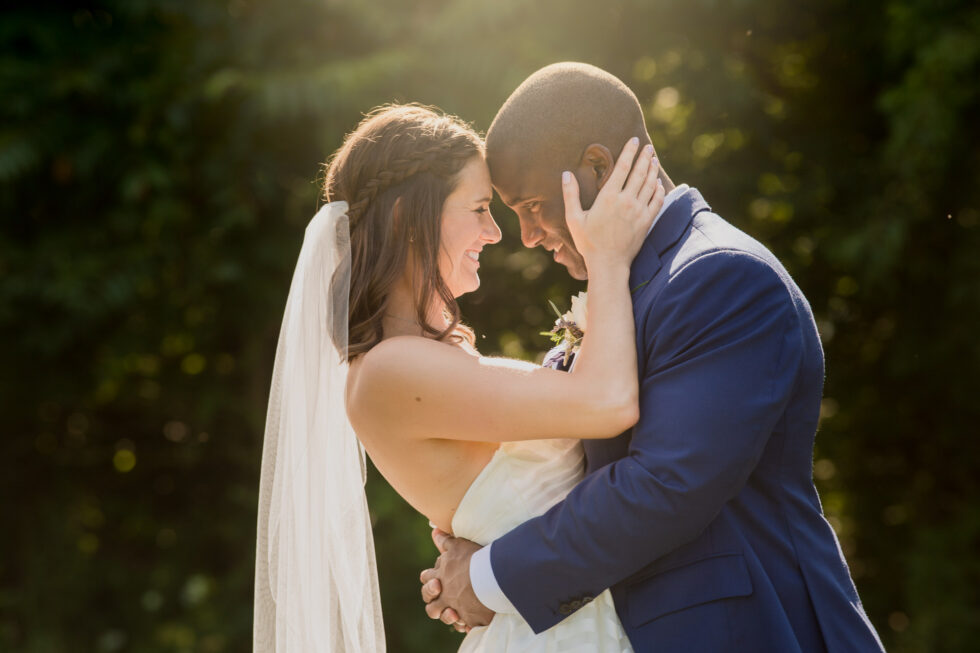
{"points": [[467, 227]]}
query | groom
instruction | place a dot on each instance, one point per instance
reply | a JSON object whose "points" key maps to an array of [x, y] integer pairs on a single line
{"points": [[703, 519]]}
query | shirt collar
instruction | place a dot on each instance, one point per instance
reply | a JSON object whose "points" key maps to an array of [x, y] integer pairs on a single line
{"points": [[668, 200]]}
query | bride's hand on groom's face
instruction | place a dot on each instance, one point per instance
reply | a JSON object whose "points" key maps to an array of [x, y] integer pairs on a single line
{"points": [[446, 587], [615, 226]]}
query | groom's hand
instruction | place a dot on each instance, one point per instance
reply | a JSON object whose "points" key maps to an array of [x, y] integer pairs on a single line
{"points": [[446, 588]]}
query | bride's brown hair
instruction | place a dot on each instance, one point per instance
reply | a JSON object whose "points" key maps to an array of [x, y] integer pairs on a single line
{"points": [[412, 155]]}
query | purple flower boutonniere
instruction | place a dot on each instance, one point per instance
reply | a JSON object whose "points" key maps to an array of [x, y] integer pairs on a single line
{"points": [[570, 326]]}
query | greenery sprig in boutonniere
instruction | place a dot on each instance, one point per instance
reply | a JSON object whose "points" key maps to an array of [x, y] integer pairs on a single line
{"points": [[570, 326]]}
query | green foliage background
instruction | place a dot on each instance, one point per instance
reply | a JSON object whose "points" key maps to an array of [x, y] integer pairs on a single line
{"points": [[158, 163]]}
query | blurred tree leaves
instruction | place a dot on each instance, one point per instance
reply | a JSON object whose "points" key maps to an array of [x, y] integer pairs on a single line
{"points": [[158, 163]]}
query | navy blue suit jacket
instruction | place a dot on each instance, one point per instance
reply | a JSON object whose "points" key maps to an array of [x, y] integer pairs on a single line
{"points": [[703, 519]]}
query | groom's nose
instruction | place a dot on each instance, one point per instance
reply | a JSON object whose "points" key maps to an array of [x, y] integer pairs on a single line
{"points": [[531, 234]]}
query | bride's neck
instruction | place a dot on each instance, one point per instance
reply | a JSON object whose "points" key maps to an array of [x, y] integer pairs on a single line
{"points": [[401, 318]]}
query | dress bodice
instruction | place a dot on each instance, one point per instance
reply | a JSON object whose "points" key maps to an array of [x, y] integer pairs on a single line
{"points": [[522, 480]]}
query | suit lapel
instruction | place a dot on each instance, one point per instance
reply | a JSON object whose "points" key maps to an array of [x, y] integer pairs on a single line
{"points": [[670, 228]]}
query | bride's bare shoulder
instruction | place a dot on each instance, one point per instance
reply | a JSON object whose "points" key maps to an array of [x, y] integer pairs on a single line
{"points": [[406, 365], [413, 355], [400, 354], [391, 365]]}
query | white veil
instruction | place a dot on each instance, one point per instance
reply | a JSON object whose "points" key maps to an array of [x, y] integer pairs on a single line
{"points": [[316, 581]]}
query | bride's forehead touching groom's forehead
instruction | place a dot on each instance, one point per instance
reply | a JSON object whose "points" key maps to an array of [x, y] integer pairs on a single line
{"points": [[473, 182]]}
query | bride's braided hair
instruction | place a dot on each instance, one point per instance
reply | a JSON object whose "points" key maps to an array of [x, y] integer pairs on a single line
{"points": [[445, 158], [395, 171]]}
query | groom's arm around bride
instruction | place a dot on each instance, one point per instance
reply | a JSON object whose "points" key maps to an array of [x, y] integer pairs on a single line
{"points": [[708, 529]]}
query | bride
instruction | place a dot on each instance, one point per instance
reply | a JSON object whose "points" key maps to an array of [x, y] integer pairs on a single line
{"points": [[372, 343]]}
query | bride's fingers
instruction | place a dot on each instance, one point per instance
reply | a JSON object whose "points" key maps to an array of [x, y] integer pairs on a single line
{"points": [[638, 175], [623, 166], [431, 590], [657, 202], [439, 538], [570, 195], [650, 184]]}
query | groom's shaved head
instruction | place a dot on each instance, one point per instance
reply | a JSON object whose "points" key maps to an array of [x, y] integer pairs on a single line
{"points": [[567, 116], [558, 111]]}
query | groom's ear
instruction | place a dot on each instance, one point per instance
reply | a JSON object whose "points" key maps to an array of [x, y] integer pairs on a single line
{"points": [[594, 168], [597, 164]]}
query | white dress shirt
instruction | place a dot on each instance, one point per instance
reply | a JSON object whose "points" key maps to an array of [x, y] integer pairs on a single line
{"points": [[482, 579]]}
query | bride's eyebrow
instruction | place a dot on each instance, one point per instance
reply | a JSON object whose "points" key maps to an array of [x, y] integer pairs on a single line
{"points": [[484, 200]]}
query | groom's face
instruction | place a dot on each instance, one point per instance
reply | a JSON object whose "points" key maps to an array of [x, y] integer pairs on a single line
{"points": [[534, 193]]}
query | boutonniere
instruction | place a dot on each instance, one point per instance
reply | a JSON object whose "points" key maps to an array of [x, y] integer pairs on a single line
{"points": [[570, 326]]}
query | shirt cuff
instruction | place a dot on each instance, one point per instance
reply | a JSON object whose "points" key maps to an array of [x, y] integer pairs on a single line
{"points": [[485, 583]]}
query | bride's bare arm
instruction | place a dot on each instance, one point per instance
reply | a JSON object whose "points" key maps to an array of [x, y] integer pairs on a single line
{"points": [[419, 388]]}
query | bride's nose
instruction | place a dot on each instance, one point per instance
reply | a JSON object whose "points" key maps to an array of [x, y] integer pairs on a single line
{"points": [[491, 231]]}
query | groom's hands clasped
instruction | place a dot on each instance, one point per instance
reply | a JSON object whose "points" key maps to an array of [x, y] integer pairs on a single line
{"points": [[446, 587]]}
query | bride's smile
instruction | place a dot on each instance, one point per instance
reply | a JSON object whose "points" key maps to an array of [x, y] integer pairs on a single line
{"points": [[467, 227]]}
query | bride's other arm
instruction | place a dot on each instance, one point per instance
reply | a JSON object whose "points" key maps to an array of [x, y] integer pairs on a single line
{"points": [[420, 388]]}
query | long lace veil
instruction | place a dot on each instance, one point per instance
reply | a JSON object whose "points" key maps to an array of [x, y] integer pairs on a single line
{"points": [[316, 581]]}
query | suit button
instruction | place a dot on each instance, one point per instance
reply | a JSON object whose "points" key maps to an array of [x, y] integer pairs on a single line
{"points": [[575, 605], [565, 609], [587, 599]]}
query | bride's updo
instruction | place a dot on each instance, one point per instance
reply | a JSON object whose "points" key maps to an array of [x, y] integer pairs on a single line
{"points": [[411, 153]]}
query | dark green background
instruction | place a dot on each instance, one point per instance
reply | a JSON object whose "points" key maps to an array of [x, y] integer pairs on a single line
{"points": [[159, 161]]}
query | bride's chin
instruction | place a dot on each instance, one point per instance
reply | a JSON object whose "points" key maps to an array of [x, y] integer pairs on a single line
{"points": [[469, 287]]}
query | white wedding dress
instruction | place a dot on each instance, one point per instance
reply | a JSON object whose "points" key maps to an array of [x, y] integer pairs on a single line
{"points": [[316, 586], [521, 481]]}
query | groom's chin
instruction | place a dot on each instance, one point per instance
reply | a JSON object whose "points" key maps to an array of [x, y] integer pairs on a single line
{"points": [[576, 270], [573, 263]]}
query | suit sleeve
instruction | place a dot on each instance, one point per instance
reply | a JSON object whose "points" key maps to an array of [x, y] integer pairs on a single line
{"points": [[721, 347]]}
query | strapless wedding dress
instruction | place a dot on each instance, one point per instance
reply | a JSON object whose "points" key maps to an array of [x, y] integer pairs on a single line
{"points": [[521, 481]]}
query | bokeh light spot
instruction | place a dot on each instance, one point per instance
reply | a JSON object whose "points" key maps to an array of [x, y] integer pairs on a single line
{"points": [[824, 469], [193, 364], [196, 589], [645, 69], [88, 543], [175, 431], [152, 600], [124, 461], [846, 286], [898, 621], [112, 640], [166, 538]]}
